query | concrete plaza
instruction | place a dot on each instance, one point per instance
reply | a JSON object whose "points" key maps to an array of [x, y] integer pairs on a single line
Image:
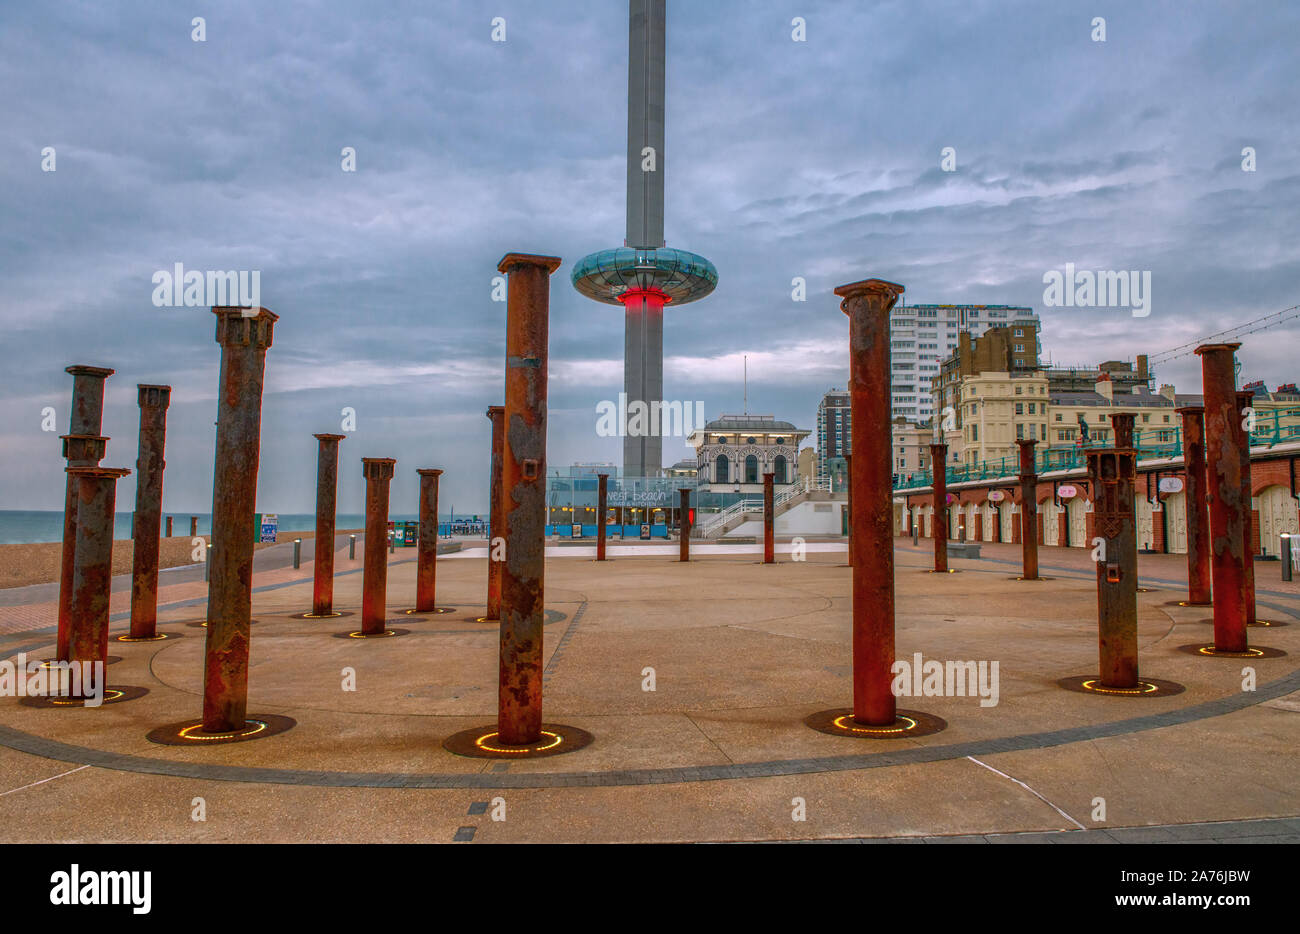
{"points": [[718, 751]]}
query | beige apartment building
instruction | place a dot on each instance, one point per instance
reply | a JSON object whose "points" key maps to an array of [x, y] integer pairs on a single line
{"points": [[995, 409]]}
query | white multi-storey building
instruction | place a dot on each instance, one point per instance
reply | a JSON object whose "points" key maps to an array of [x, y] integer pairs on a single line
{"points": [[923, 335]]}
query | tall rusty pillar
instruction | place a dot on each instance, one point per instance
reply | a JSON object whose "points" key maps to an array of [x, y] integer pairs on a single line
{"points": [[602, 498], [92, 577], [1111, 474], [149, 465], [496, 513], [1028, 510], [83, 446], [327, 484], [378, 471], [684, 524], [769, 518], [194, 520], [1244, 406], [523, 585], [1228, 514], [426, 564], [169, 526], [848, 505], [244, 336], [1198, 516], [939, 468]]}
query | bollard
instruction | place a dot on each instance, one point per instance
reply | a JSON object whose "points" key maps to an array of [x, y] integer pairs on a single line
{"points": [[244, 335], [939, 527], [1198, 516], [1111, 475], [378, 471], [83, 446], [207, 562], [352, 547], [867, 304], [1227, 512], [149, 465], [297, 553], [769, 519], [916, 533], [392, 542], [327, 482], [602, 497], [496, 512], [1286, 556], [523, 496], [169, 526], [92, 576], [684, 524], [1028, 511], [426, 562], [1247, 506]]}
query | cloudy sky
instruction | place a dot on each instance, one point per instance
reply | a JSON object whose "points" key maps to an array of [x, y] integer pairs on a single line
{"points": [[818, 159]]}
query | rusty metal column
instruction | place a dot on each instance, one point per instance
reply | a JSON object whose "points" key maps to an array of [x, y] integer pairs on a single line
{"points": [[327, 483], [244, 336], [1028, 510], [523, 585], [146, 522], [169, 526], [769, 518], [378, 471], [684, 524], [939, 525], [92, 578], [848, 505], [194, 520], [602, 497], [426, 562], [496, 512], [1198, 517], [1111, 474], [1227, 512], [867, 305], [83, 446], [1248, 552]]}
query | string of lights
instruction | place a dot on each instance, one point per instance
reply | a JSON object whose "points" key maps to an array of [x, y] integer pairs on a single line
{"points": [[1263, 323]]}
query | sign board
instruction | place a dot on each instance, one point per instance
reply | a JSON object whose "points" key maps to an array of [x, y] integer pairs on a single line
{"points": [[645, 532], [639, 498], [1066, 491], [996, 496], [269, 526], [576, 530], [951, 499], [1171, 484]]}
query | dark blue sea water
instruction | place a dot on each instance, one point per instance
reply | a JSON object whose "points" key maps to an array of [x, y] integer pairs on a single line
{"points": [[20, 526]]}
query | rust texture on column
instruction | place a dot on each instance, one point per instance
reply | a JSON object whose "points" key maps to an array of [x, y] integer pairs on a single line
{"points": [[1244, 409], [1228, 514], [769, 518], [1111, 474], [146, 522], [378, 471], [1198, 516], [244, 335], [602, 498], [1028, 510], [848, 505], [327, 484], [92, 577], [867, 305], [496, 512], [83, 446], [519, 696], [684, 524], [426, 562], [939, 524]]}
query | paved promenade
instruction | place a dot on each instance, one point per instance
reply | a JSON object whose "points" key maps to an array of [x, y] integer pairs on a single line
{"points": [[737, 654]]}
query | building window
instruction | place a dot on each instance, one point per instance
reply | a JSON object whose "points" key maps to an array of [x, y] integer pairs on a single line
{"points": [[721, 469], [778, 468], [1020, 430], [751, 469], [1020, 408], [1058, 417], [1019, 390]]}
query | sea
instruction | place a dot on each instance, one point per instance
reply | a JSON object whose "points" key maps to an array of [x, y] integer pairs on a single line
{"points": [[24, 526]]}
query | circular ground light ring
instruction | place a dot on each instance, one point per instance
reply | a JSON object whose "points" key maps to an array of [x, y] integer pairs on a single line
{"points": [[437, 610], [908, 724], [933, 571], [1031, 579], [48, 663], [387, 633], [119, 694], [1207, 650], [481, 742], [156, 637], [203, 623], [1147, 687], [190, 732], [337, 614]]}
